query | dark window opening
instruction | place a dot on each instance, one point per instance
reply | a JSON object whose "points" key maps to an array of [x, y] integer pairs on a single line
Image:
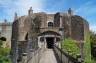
{"points": [[26, 37], [3, 38], [42, 39], [57, 39], [50, 24], [50, 42]]}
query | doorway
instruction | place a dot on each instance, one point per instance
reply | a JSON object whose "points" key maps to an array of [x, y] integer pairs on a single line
{"points": [[50, 42]]}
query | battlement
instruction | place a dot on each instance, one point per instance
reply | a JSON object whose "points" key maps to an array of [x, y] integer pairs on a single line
{"points": [[6, 23]]}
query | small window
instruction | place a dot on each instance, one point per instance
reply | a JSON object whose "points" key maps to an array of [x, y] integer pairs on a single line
{"points": [[42, 39], [3, 38], [50, 24], [57, 39]]}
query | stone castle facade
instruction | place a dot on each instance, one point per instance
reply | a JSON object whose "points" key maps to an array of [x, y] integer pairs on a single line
{"points": [[41, 30], [6, 30]]}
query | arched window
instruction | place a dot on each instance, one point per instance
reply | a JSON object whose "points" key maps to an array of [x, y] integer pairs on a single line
{"points": [[50, 24], [26, 37]]}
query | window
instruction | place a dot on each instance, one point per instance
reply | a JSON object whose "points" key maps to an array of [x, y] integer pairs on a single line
{"points": [[50, 24], [42, 39], [3, 38], [57, 39]]}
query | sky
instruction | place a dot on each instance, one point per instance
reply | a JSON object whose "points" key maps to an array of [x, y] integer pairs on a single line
{"points": [[84, 8]]}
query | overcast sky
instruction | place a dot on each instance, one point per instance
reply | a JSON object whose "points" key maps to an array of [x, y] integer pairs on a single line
{"points": [[84, 8]]}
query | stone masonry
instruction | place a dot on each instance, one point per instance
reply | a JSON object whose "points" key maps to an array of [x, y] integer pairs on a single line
{"points": [[37, 30], [6, 30]]}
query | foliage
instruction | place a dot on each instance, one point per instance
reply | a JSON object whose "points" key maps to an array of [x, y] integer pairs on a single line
{"points": [[93, 45], [70, 45], [4, 51], [87, 50], [1, 42], [6, 61], [4, 54], [6, 45]]}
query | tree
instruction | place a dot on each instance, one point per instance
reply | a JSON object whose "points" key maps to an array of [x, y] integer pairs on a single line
{"points": [[93, 44]]}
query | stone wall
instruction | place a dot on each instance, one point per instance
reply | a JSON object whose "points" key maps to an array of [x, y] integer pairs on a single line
{"points": [[27, 28], [79, 28], [6, 30]]}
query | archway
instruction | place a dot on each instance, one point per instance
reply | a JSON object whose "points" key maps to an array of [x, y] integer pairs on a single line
{"points": [[49, 39], [50, 42]]}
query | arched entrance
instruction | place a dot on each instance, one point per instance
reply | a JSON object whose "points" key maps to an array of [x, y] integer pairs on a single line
{"points": [[50, 42], [48, 39]]}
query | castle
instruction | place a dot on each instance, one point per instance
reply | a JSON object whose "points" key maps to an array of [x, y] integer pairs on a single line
{"points": [[41, 30]]}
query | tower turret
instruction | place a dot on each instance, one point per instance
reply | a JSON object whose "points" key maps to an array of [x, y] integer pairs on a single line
{"points": [[15, 16], [5, 20], [30, 12], [70, 11]]}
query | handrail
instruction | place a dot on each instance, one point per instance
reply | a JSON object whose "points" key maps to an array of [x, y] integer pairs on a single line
{"points": [[35, 56], [35, 53]]}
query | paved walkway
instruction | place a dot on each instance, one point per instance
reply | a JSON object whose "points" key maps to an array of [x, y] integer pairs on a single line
{"points": [[48, 57]]}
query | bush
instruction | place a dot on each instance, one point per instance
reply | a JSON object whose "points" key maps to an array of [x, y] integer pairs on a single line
{"points": [[87, 50], [1, 43], [70, 45], [4, 53], [93, 45]]}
